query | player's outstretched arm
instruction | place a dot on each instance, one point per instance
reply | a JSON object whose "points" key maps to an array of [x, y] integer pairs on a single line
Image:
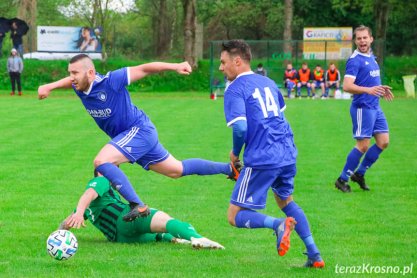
{"points": [[45, 90], [139, 72], [76, 220]]}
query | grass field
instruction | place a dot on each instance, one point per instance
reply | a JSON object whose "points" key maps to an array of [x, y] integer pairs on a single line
{"points": [[47, 148]]}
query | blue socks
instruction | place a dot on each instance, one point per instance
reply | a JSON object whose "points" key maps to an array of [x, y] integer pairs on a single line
{"points": [[252, 220], [302, 227], [204, 167], [352, 163], [120, 181], [299, 91], [354, 158], [370, 157]]}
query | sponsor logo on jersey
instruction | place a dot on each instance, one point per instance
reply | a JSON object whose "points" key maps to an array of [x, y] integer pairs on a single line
{"points": [[366, 63], [374, 73], [118, 186], [99, 113], [102, 96], [93, 184]]}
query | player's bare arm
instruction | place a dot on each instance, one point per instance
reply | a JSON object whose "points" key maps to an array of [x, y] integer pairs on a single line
{"points": [[350, 87], [76, 220], [139, 72], [45, 90]]}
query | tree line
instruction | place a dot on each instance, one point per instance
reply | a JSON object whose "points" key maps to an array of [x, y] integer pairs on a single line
{"points": [[149, 29]]}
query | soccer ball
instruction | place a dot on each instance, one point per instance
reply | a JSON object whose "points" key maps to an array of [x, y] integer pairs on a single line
{"points": [[62, 245]]}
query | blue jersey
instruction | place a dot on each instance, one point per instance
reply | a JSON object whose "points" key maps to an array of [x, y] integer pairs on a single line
{"points": [[269, 141], [109, 103], [365, 70]]}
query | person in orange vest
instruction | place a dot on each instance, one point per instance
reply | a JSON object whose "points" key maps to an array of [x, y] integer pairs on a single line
{"points": [[304, 77], [318, 81], [332, 78], [290, 79]]}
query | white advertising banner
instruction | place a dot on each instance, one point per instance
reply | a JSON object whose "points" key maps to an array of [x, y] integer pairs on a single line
{"points": [[68, 39]]}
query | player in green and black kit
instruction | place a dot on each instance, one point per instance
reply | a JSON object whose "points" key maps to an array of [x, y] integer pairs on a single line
{"points": [[103, 207]]}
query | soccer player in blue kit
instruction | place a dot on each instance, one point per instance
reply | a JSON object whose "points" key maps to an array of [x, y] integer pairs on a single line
{"points": [[133, 136], [253, 107], [363, 80]]}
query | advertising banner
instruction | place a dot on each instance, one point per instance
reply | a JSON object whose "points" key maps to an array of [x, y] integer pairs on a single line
{"points": [[331, 43], [68, 39]]}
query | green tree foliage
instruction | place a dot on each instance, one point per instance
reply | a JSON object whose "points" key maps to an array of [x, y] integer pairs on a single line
{"points": [[402, 29], [135, 33], [247, 19]]}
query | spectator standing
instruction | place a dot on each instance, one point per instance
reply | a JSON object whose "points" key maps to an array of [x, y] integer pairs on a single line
{"points": [[16, 37], [15, 68]]}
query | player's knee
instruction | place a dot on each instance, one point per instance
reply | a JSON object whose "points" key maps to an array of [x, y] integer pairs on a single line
{"points": [[362, 148], [97, 162], [231, 219], [175, 175], [383, 145]]}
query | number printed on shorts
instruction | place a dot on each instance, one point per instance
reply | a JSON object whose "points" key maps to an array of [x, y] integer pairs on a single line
{"points": [[267, 105]]}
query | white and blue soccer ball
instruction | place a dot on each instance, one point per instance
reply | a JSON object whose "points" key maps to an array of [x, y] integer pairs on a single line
{"points": [[62, 245]]}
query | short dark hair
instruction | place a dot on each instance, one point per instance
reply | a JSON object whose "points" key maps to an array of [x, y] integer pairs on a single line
{"points": [[238, 48], [78, 57], [362, 28]]}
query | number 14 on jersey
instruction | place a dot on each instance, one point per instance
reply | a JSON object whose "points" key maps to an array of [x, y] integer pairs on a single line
{"points": [[267, 105]]}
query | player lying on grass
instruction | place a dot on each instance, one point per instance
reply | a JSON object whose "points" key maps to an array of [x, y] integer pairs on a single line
{"points": [[134, 138], [102, 206]]}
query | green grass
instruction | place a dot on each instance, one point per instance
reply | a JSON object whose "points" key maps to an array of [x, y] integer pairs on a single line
{"points": [[47, 148]]}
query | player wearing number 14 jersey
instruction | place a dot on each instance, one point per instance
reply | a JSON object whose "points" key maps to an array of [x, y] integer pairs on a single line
{"points": [[253, 107]]}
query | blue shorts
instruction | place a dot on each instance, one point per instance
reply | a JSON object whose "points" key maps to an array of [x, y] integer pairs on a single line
{"points": [[140, 145], [251, 188], [333, 85], [289, 84], [303, 84], [317, 83], [367, 122]]}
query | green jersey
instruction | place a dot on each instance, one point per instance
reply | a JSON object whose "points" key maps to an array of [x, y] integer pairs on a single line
{"points": [[105, 210]]}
